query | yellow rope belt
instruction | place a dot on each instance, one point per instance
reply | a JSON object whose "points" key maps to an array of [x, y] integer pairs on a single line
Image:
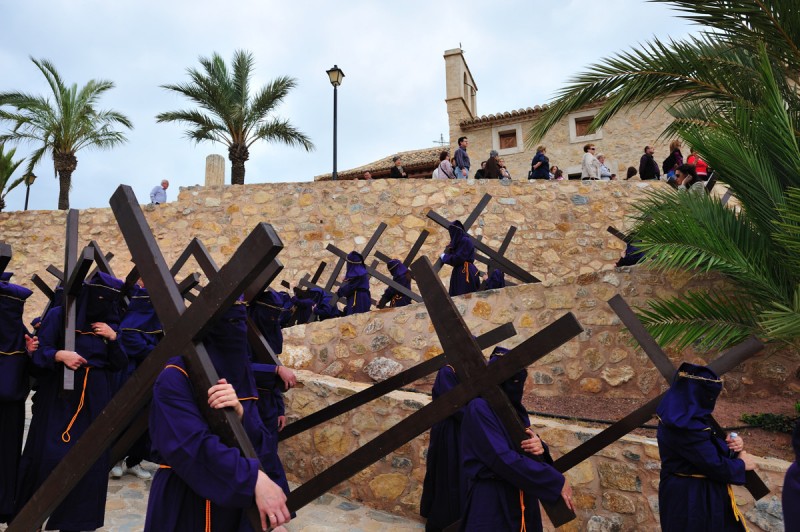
{"points": [[65, 437]]}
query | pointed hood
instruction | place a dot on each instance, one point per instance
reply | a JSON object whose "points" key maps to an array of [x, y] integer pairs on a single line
{"points": [[456, 230], [690, 400], [12, 329], [99, 300], [227, 346], [514, 386], [397, 268], [496, 280], [355, 265], [140, 315]]}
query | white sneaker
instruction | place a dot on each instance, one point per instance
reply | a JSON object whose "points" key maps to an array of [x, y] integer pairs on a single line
{"points": [[140, 472], [118, 470]]}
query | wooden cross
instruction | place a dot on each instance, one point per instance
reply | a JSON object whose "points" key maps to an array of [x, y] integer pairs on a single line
{"points": [[438, 302], [184, 327], [724, 363], [395, 382], [508, 267], [468, 223], [314, 278], [412, 253], [388, 281], [659, 358]]}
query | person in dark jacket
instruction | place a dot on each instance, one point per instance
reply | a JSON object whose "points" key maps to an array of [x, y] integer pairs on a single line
{"points": [[540, 164], [648, 167], [397, 170], [698, 465]]}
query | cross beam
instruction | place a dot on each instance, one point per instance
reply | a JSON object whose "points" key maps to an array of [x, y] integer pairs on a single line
{"points": [[508, 267], [532, 349], [5, 256], [495, 336], [184, 328], [378, 275], [412, 253], [659, 358], [468, 223]]}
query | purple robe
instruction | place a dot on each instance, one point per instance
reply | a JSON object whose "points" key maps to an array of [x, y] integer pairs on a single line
{"points": [[355, 286], [441, 490], [401, 276], [496, 280], [139, 333], [460, 254], [84, 507], [496, 470], [13, 389], [199, 467], [791, 486], [696, 464]]}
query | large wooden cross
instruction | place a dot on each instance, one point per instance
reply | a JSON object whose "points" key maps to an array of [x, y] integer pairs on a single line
{"points": [[468, 223], [373, 272], [412, 253], [5, 256], [508, 267], [184, 328], [451, 328], [659, 358]]}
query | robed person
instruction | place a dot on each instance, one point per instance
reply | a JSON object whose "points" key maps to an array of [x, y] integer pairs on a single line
{"points": [[505, 479], [355, 286], [698, 465], [14, 388], [402, 276], [495, 280], [791, 486], [202, 483], [59, 419], [269, 311], [140, 331], [460, 254], [442, 488]]}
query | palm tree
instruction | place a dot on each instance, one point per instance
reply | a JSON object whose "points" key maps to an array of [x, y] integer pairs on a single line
{"points": [[63, 126], [7, 167], [227, 113], [738, 104]]}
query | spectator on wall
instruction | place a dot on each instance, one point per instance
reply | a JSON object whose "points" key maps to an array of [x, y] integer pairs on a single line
{"points": [[492, 169], [480, 174], [605, 171], [590, 166], [462, 159], [445, 168], [673, 160], [159, 194], [540, 164], [631, 172], [701, 167], [648, 167], [397, 170]]}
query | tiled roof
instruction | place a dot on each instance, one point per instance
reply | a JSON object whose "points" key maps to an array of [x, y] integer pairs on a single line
{"points": [[519, 113], [413, 159]]}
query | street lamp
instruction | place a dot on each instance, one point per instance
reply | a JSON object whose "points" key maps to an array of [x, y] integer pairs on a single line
{"points": [[336, 75], [29, 179]]}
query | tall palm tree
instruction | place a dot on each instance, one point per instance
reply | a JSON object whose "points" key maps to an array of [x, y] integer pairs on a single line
{"points": [[68, 123], [228, 114], [7, 167], [738, 104]]}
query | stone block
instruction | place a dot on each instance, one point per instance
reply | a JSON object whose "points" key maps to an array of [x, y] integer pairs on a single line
{"points": [[618, 375], [389, 486], [619, 476], [619, 503]]}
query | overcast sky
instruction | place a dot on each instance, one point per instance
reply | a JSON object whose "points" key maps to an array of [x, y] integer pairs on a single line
{"points": [[392, 98]]}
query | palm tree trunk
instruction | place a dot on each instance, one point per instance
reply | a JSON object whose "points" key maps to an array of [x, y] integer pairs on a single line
{"points": [[238, 154], [65, 164]]}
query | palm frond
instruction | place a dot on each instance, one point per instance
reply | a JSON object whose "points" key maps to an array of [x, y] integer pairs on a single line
{"points": [[712, 320], [282, 131]]}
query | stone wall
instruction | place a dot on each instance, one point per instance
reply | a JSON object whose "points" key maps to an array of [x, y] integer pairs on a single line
{"points": [[614, 490], [561, 226]]}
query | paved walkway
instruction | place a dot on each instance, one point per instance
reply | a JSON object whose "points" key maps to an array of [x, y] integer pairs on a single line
{"points": [[127, 504]]}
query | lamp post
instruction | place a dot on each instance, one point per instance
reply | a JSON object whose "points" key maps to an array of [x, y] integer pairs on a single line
{"points": [[29, 179], [336, 75]]}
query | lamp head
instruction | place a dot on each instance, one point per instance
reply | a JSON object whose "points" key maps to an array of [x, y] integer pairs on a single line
{"points": [[336, 75]]}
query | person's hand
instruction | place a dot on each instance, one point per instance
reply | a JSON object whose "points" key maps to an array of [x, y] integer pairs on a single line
{"points": [[749, 462], [103, 329], [287, 376], [735, 444], [271, 502], [222, 395], [71, 359], [464, 172], [31, 344], [281, 423], [566, 494], [533, 445]]}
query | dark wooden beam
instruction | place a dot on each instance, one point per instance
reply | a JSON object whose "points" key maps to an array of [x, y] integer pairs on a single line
{"points": [[5, 256], [659, 358], [379, 276], [423, 369], [468, 223]]}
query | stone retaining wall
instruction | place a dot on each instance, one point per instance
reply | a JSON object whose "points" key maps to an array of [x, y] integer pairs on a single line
{"points": [[601, 361], [615, 490]]}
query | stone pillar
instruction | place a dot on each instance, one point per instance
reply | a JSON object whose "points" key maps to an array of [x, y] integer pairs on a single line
{"points": [[215, 170]]}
